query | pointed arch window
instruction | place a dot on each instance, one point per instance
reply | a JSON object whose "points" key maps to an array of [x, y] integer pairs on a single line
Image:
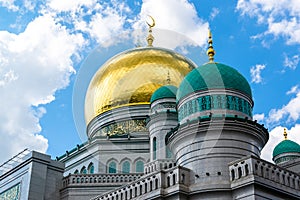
{"points": [[83, 170], [139, 166], [76, 171], [154, 148], [112, 167], [91, 168], [126, 167]]}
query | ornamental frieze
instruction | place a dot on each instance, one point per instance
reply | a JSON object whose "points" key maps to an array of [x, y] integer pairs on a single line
{"points": [[124, 127]]}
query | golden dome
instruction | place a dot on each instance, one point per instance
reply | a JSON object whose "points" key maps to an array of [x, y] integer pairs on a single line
{"points": [[131, 77]]}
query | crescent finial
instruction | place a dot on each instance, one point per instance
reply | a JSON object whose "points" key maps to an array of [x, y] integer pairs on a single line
{"points": [[150, 37], [152, 20]]}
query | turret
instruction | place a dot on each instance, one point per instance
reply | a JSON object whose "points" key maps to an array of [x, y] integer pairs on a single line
{"points": [[286, 150], [163, 117], [214, 103]]}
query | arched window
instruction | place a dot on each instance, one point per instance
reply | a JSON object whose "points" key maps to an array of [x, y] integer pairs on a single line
{"points": [[239, 172], [112, 167], [168, 181], [246, 169], [83, 170], [232, 175], [139, 166], [154, 148], [76, 171], [91, 168], [126, 167]]}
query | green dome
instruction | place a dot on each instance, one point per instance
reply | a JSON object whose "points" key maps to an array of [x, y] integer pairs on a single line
{"points": [[286, 146], [167, 91], [213, 76]]}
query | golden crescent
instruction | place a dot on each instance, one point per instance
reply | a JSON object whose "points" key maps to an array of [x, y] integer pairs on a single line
{"points": [[153, 22]]}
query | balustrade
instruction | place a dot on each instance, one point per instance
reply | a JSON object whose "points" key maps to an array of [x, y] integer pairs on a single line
{"points": [[147, 184], [99, 179], [255, 166]]}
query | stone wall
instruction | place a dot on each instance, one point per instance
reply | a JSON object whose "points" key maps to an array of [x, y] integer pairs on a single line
{"points": [[38, 176]]}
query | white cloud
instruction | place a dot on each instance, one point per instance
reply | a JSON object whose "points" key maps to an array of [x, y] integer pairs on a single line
{"points": [[291, 110], [255, 72], [293, 90], [112, 22], [276, 136], [10, 4], [178, 16], [281, 17], [214, 13], [37, 63], [106, 27], [8, 77], [101, 21], [29, 5], [70, 5], [19, 6], [291, 62], [259, 117]]}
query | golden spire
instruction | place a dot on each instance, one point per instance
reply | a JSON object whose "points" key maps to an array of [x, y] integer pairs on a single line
{"points": [[285, 134], [210, 51], [150, 37]]}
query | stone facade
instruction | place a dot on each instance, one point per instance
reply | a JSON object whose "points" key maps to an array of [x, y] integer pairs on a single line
{"points": [[254, 178], [86, 186], [34, 176]]}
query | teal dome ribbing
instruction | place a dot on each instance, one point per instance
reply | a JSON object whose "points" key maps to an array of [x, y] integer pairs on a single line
{"points": [[286, 146], [213, 76], [167, 91]]}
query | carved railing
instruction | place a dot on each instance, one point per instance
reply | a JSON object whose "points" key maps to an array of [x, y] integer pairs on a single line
{"points": [[99, 179], [158, 165], [255, 166], [14, 161], [149, 183]]}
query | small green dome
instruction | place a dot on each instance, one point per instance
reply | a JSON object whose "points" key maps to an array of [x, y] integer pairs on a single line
{"points": [[213, 76], [167, 91], [286, 146]]}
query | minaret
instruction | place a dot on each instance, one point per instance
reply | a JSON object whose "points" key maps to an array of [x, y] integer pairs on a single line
{"points": [[163, 114], [286, 150], [163, 117], [216, 127]]}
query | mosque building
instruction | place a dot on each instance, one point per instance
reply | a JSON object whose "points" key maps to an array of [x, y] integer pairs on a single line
{"points": [[161, 127]]}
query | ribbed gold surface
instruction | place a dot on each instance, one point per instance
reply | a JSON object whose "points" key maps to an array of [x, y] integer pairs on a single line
{"points": [[131, 77]]}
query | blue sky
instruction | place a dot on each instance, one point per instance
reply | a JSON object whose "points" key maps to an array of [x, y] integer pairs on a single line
{"points": [[46, 47]]}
